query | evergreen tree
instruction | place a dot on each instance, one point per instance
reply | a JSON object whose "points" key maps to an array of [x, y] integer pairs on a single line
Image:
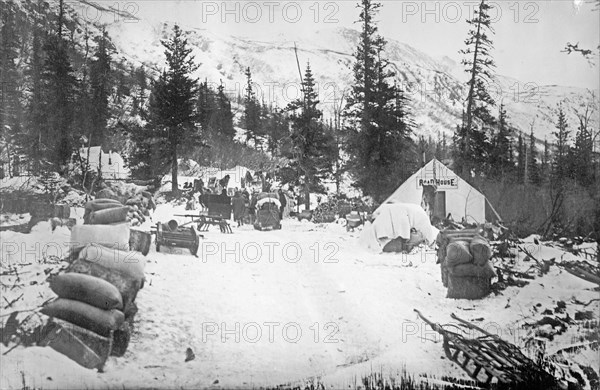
{"points": [[10, 93], [252, 112], [59, 83], [378, 121], [141, 81], [83, 110], [501, 159], [560, 164], [471, 144], [100, 88], [206, 108], [35, 108], [521, 161], [582, 159], [277, 130], [533, 173], [545, 165], [311, 154], [224, 117], [171, 130]]}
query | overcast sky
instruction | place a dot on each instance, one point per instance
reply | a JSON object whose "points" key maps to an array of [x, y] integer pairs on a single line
{"points": [[528, 41]]}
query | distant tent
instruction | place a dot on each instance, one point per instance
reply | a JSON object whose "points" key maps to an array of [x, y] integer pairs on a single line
{"points": [[112, 163], [441, 192]]}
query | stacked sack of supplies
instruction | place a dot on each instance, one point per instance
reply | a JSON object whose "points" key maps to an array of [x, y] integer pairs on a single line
{"points": [[96, 295], [465, 256]]}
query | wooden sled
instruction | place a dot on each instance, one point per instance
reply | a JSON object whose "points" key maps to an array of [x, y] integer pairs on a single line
{"points": [[488, 356]]}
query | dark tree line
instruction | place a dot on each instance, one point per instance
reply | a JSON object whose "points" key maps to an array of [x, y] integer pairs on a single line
{"points": [[56, 96]]}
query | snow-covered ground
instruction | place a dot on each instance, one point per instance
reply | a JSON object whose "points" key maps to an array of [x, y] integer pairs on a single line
{"points": [[266, 308]]}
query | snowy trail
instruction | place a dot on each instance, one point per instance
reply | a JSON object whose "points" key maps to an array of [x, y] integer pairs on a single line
{"points": [[267, 308], [240, 316]]}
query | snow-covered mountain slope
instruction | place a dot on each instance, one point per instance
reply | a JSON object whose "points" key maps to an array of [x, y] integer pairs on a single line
{"points": [[436, 86]]}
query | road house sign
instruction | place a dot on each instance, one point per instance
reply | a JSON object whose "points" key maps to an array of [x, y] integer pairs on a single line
{"points": [[441, 183]]}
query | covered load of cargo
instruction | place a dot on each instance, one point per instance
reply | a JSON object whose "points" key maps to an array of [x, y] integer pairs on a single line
{"points": [[398, 224], [464, 257]]}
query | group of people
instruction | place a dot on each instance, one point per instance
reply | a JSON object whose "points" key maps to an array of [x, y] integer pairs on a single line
{"points": [[244, 205]]}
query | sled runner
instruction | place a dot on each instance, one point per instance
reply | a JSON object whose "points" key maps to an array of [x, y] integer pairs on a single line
{"points": [[205, 221], [488, 356]]}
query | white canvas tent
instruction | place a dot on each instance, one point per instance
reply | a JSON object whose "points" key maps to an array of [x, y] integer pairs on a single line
{"points": [[453, 195], [112, 163]]}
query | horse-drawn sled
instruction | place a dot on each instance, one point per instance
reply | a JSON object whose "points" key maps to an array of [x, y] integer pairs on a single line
{"points": [[267, 211]]}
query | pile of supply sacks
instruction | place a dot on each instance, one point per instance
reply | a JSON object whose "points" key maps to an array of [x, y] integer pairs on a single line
{"points": [[102, 211], [464, 256], [98, 289]]}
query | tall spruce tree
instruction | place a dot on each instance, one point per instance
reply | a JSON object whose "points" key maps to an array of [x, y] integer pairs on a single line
{"points": [[35, 108], [501, 159], [171, 130], [582, 160], [471, 144], [11, 115], [206, 108], [59, 82], [311, 153], [533, 169], [277, 130], [100, 88], [560, 164], [223, 115], [252, 112], [378, 125], [545, 164], [521, 161]]}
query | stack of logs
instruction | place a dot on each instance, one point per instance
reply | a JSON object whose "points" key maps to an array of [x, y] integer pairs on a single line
{"points": [[95, 309], [464, 256]]}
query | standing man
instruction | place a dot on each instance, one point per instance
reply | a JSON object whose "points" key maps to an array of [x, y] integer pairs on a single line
{"points": [[238, 208], [252, 210], [283, 201]]}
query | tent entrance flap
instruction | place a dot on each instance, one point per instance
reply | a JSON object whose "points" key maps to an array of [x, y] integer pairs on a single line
{"points": [[439, 210]]}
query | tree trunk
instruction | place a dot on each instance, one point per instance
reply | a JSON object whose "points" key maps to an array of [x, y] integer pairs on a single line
{"points": [[306, 196], [174, 173], [466, 169]]}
